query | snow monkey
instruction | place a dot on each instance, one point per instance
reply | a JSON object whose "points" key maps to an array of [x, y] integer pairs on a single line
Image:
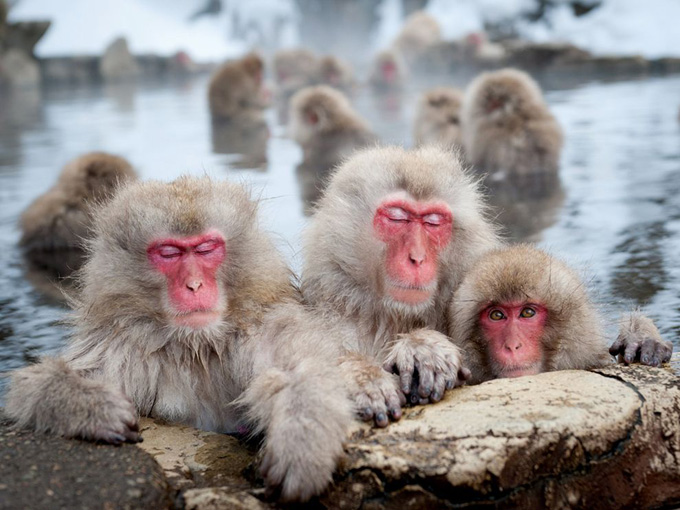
{"points": [[520, 311], [438, 118], [388, 71], [236, 91], [326, 126], [392, 237], [56, 223], [337, 73], [508, 130], [179, 318], [419, 32]]}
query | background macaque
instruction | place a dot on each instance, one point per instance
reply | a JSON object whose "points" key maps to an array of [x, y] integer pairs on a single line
{"points": [[326, 127], [179, 319], [392, 237], [236, 92], [337, 73], [389, 71], [419, 32], [508, 130], [438, 117], [520, 311], [54, 226], [295, 69]]}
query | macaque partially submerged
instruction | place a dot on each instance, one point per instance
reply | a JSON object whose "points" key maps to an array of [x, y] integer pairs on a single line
{"points": [[236, 90], [438, 118], [520, 311]]}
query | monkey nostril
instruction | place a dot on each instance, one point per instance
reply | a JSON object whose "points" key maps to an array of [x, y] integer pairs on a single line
{"points": [[194, 285]]}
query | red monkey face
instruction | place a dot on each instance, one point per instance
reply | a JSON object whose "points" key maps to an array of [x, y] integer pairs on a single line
{"points": [[190, 266], [513, 333], [414, 233]]}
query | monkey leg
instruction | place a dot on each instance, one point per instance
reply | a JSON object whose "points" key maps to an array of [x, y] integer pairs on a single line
{"points": [[305, 415], [639, 340], [374, 391], [427, 363], [51, 397]]}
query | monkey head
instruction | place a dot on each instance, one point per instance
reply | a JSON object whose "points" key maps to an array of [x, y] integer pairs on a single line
{"points": [[389, 69], [254, 66], [394, 231], [502, 95], [316, 110], [520, 311], [177, 256], [94, 176], [440, 109]]}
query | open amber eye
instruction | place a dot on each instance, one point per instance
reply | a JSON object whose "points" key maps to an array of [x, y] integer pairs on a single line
{"points": [[527, 312], [496, 315]]}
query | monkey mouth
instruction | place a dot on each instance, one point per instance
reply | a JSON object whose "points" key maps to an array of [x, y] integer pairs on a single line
{"points": [[196, 319], [409, 293], [520, 370]]}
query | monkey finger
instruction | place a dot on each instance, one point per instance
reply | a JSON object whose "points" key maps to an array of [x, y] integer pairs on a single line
{"points": [[661, 355], [133, 437], [365, 414], [381, 419], [439, 387], [464, 374], [616, 347], [111, 437], [394, 406], [631, 352], [647, 352], [406, 381], [426, 375]]}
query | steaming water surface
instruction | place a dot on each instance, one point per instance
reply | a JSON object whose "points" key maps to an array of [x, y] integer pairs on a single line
{"points": [[616, 217]]}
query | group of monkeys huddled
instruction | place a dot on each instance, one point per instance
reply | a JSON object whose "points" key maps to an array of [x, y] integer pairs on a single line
{"points": [[184, 310]]}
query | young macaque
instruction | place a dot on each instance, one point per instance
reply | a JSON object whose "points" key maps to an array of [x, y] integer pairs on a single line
{"points": [[179, 318], [391, 239], [236, 91], [438, 118], [337, 73], [419, 32], [389, 71], [520, 311], [508, 130], [54, 226], [323, 122]]}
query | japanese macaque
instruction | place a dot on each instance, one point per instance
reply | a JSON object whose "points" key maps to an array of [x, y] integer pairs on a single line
{"points": [[295, 69], [391, 239], [419, 32], [337, 73], [508, 130], [520, 311], [327, 128], [389, 71], [179, 318], [236, 90], [54, 226], [438, 118]]}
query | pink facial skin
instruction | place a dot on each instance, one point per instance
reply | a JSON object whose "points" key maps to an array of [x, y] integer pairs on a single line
{"points": [[514, 341], [415, 233], [190, 265], [389, 72]]}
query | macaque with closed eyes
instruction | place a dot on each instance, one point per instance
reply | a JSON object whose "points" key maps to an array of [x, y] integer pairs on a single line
{"points": [[236, 90], [54, 226], [438, 118], [391, 239], [508, 130], [520, 311], [179, 317]]}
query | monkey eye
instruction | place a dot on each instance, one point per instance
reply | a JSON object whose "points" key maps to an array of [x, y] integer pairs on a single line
{"points": [[169, 252], [527, 312], [433, 220], [205, 248], [397, 214], [496, 315]]}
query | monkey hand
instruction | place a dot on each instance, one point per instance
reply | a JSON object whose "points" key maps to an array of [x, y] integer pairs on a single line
{"points": [[374, 391], [639, 340], [114, 420], [427, 363]]}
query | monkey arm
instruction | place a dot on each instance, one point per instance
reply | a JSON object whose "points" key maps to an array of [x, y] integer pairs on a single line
{"points": [[297, 399], [427, 362], [52, 397], [639, 340]]}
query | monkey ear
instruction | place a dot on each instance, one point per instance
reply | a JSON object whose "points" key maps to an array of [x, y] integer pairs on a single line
{"points": [[312, 118]]}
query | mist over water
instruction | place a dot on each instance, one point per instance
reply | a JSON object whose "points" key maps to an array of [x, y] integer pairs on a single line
{"points": [[616, 217]]}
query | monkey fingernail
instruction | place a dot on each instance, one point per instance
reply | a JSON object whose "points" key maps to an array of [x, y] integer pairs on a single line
{"points": [[450, 384], [366, 414], [395, 413], [381, 420]]}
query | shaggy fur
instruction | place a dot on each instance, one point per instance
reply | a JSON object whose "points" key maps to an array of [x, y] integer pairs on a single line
{"points": [[573, 337], [60, 219], [234, 92], [343, 275], [438, 118], [339, 130], [217, 378], [507, 127]]}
